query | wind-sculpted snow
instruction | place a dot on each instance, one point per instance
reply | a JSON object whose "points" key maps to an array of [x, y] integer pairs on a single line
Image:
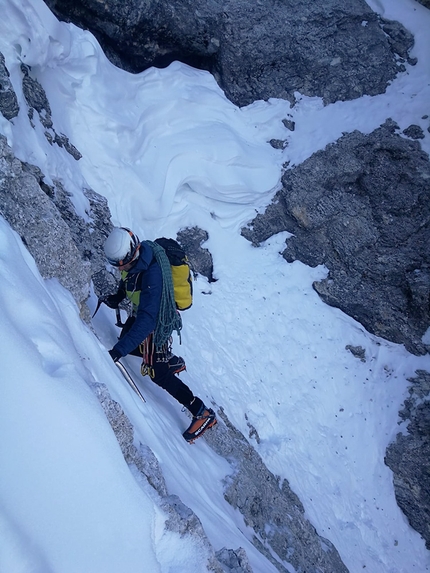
{"points": [[310, 395], [56, 448], [153, 134], [147, 134]]}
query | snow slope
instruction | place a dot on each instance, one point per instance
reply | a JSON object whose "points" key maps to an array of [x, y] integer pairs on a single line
{"points": [[168, 151]]}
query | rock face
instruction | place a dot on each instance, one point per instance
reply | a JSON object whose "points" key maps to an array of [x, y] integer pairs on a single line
{"points": [[361, 207], [37, 102], [200, 258], [8, 101], [256, 50], [28, 210], [63, 245], [409, 457]]}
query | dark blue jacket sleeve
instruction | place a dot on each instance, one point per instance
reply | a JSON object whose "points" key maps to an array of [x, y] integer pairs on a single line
{"points": [[147, 312]]}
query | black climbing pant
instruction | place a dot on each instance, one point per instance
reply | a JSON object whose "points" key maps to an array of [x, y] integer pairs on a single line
{"points": [[163, 373]]}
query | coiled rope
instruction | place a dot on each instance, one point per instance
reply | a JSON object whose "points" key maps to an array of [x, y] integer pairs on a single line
{"points": [[169, 318]]}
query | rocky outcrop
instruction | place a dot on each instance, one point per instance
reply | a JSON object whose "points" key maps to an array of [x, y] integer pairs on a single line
{"points": [[43, 214], [200, 258], [8, 101], [34, 216], [37, 102], [256, 50], [269, 507], [361, 207], [63, 245], [409, 457]]}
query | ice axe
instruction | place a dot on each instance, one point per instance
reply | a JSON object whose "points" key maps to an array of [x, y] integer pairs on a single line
{"points": [[129, 379], [118, 322]]}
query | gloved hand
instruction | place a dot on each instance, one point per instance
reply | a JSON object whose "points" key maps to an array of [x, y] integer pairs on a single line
{"points": [[112, 300], [114, 354]]}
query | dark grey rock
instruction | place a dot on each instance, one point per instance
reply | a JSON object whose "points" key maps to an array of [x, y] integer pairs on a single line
{"points": [[235, 561], [63, 141], [37, 101], [400, 39], [89, 237], [361, 207], [278, 143], [414, 132], [200, 259], [289, 124], [34, 216], [62, 243], [256, 50], [270, 507], [36, 98], [409, 457], [9, 106], [357, 351]]}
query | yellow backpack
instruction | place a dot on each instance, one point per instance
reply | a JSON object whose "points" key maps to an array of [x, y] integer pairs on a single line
{"points": [[181, 272]]}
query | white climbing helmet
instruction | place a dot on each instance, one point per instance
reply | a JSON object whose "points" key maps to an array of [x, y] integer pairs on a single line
{"points": [[121, 247]]}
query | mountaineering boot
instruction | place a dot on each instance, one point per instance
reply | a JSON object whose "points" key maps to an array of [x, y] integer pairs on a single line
{"points": [[204, 420]]}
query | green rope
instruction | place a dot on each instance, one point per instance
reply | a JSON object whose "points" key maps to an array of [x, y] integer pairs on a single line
{"points": [[169, 318]]}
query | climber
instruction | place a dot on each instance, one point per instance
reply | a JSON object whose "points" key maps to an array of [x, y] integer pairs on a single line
{"points": [[142, 283]]}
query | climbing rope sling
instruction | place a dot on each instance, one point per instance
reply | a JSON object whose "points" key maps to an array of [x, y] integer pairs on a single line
{"points": [[169, 318]]}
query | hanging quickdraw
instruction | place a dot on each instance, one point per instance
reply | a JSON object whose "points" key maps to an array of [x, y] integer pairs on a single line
{"points": [[147, 349], [150, 354]]}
